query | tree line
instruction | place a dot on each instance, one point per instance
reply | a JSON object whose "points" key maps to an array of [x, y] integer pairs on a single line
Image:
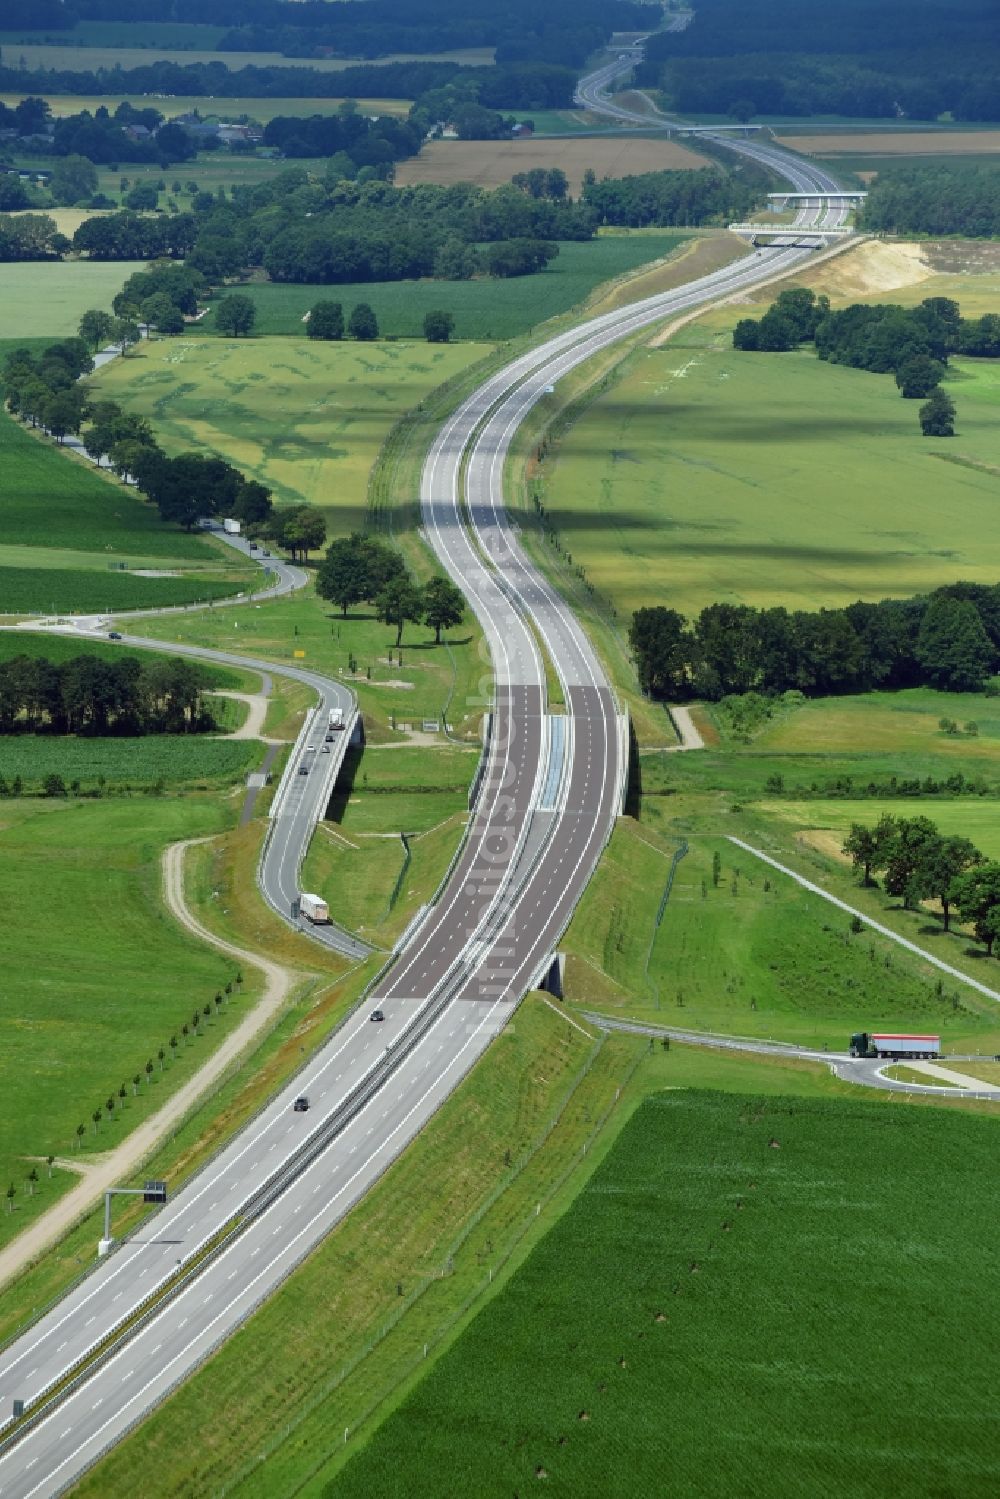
{"points": [[845, 57], [918, 863], [911, 343], [665, 198], [362, 569], [949, 639], [956, 199], [88, 695]]}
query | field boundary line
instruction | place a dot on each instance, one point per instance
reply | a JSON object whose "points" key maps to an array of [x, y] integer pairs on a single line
{"points": [[869, 921], [568, 1018]]}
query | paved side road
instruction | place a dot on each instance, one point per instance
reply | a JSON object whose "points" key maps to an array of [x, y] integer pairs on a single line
{"points": [[867, 1072]]}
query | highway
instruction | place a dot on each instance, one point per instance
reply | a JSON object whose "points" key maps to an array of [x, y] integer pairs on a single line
{"points": [[549, 798]]}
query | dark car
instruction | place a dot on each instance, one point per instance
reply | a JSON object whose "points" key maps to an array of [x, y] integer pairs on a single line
{"points": [[377, 1015], [300, 1105], [303, 769], [328, 739], [114, 634]]}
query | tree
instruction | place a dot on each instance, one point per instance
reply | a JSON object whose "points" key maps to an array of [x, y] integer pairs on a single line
{"points": [[344, 574], [399, 602], [867, 846], [73, 180], [941, 864], [661, 644], [303, 530], [444, 606], [125, 333], [143, 197], [952, 645], [252, 504], [937, 416], [96, 328], [235, 315], [326, 320], [918, 375], [159, 312], [976, 897], [61, 414], [438, 327], [11, 1194], [912, 844], [363, 324]]}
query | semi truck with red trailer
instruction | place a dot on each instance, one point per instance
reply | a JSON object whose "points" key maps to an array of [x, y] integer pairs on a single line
{"points": [[894, 1046]]}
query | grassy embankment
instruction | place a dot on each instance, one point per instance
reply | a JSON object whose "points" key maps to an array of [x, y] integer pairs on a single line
{"points": [[63, 524], [712, 1289]]}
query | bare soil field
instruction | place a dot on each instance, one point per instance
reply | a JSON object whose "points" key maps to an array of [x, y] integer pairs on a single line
{"points": [[492, 163], [897, 143]]}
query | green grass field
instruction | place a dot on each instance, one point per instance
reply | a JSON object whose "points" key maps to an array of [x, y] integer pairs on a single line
{"points": [[706, 475], [754, 955], [373, 884], [98, 976], [432, 680], [702, 1320], [906, 722], [306, 418], [47, 590], [125, 764], [486, 309], [58, 648], [46, 298]]}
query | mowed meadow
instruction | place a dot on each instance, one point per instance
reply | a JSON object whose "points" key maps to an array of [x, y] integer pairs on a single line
{"points": [[304, 417], [751, 1295], [707, 475]]}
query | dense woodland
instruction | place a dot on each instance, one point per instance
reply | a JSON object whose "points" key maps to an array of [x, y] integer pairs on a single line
{"points": [[949, 640], [948, 199], [916, 58], [563, 30], [89, 695]]}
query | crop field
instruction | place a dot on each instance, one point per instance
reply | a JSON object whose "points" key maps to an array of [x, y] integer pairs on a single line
{"points": [[305, 418], [49, 590], [487, 309], [126, 764], [90, 996], [700, 1320], [491, 163], [261, 110], [91, 58], [891, 143], [755, 954], [707, 475], [49, 298]]}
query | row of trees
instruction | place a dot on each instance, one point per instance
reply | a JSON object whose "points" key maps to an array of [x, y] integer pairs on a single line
{"points": [[913, 344], [949, 640], [325, 321], [918, 863], [30, 236], [362, 569], [88, 695], [709, 195]]}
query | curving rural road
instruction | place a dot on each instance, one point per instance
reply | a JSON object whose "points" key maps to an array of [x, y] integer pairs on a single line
{"points": [[550, 794]]}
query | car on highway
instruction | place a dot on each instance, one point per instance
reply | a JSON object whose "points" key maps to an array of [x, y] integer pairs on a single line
{"points": [[114, 634], [377, 1015], [328, 739], [300, 1105], [303, 769]]}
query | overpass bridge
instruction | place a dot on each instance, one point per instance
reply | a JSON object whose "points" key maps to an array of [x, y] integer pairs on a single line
{"points": [[795, 232]]}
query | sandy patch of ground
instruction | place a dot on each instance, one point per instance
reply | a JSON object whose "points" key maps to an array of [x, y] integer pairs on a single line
{"points": [[897, 143], [872, 266], [492, 163]]}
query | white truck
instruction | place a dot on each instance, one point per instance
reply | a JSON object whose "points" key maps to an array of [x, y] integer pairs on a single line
{"points": [[231, 527], [336, 718], [314, 908]]}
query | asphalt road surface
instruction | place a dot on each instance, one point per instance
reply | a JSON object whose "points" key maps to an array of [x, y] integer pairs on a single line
{"points": [[546, 807]]}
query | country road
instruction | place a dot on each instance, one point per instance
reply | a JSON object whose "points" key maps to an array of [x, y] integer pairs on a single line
{"points": [[549, 798]]}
